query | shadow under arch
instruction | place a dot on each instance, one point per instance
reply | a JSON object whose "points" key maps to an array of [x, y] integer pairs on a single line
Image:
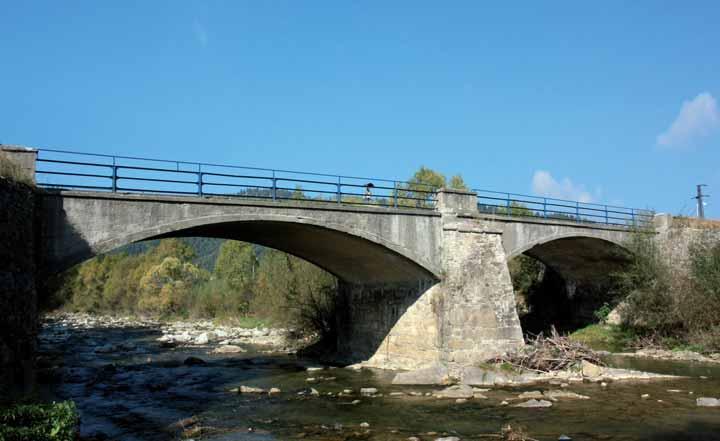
{"points": [[379, 279], [576, 257], [353, 255], [576, 280]]}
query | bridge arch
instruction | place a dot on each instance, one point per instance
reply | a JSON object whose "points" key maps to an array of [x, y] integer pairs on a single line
{"points": [[578, 254], [337, 243]]}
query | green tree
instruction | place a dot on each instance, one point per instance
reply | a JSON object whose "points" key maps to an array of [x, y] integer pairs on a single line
{"points": [[236, 264], [457, 182], [164, 287], [172, 248]]}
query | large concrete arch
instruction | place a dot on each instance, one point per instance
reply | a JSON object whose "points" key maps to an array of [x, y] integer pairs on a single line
{"points": [[362, 246]]}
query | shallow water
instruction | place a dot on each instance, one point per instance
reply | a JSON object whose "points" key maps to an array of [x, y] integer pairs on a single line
{"points": [[141, 394]]}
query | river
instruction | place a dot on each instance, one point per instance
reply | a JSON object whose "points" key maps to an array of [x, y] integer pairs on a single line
{"points": [[144, 391]]}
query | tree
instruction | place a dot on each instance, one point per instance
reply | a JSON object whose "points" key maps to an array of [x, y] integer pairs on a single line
{"points": [[164, 287], [458, 183], [172, 248], [420, 190], [236, 263]]}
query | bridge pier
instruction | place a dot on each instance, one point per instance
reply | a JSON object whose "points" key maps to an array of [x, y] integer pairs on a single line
{"points": [[466, 318]]}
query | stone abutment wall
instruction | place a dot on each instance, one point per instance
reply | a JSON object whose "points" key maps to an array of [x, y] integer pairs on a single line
{"points": [[18, 291]]}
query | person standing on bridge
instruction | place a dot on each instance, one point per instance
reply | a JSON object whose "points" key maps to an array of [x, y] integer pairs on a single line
{"points": [[368, 191]]}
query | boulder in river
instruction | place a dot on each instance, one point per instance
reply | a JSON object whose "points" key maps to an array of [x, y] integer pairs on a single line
{"points": [[708, 402], [251, 390], [435, 374], [476, 376], [229, 349], [194, 361], [368, 391], [457, 391], [534, 403]]}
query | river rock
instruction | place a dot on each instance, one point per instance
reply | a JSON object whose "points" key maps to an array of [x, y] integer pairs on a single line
{"points": [[591, 370], [365, 425], [555, 394], [274, 391], [476, 376], [314, 392], [229, 349], [457, 391], [530, 394], [534, 403], [194, 361], [368, 391], [448, 438], [205, 338], [435, 374], [708, 402]]}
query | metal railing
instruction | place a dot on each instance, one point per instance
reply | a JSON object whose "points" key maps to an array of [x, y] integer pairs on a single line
{"points": [[519, 205], [62, 169]]}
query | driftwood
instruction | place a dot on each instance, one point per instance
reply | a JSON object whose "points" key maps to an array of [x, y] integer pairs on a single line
{"points": [[549, 354]]}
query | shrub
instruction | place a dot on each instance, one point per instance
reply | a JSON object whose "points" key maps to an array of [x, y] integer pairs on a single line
{"points": [[39, 422], [667, 305]]}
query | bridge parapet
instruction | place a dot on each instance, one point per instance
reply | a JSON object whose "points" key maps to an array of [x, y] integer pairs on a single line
{"points": [[23, 157]]}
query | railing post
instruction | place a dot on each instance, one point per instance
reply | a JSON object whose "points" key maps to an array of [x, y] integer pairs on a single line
{"points": [[395, 194], [200, 180], [339, 191], [607, 220], [632, 216], [114, 176], [545, 208], [508, 205], [274, 186], [577, 210]]}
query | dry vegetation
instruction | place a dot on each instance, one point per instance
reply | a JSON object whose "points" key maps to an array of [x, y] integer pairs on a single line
{"points": [[550, 354]]}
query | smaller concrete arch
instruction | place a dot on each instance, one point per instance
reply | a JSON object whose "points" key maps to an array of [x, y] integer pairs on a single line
{"points": [[579, 255]]}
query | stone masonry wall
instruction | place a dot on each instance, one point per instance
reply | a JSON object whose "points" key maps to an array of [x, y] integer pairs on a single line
{"points": [[479, 318], [390, 326], [676, 235], [18, 294]]}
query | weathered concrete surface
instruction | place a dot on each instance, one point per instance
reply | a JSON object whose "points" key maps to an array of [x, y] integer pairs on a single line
{"points": [[676, 235], [24, 157], [416, 286], [18, 291], [357, 244], [579, 252], [466, 318]]}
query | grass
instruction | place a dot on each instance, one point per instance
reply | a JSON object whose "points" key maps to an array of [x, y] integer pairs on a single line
{"points": [[603, 337], [244, 322]]}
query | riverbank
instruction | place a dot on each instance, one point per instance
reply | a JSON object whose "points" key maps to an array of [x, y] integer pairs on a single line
{"points": [[221, 338]]}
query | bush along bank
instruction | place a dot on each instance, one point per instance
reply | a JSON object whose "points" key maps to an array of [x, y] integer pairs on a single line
{"points": [[39, 422]]}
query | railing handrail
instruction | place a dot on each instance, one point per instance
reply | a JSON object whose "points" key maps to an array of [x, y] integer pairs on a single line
{"points": [[419, 194], [210, 164]]}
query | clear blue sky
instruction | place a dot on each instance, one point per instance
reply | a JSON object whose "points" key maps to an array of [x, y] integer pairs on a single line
{"points": [[560, 98]]}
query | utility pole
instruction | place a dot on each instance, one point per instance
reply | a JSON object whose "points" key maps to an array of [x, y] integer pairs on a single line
{"points": [[700, 203]]}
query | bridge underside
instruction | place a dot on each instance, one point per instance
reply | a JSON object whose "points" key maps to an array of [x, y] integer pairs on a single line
{"points": [[350, 258], [581, 260]]}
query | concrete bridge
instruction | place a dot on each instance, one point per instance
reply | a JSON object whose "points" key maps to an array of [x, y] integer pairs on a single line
{"points": [[416, 285]]}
